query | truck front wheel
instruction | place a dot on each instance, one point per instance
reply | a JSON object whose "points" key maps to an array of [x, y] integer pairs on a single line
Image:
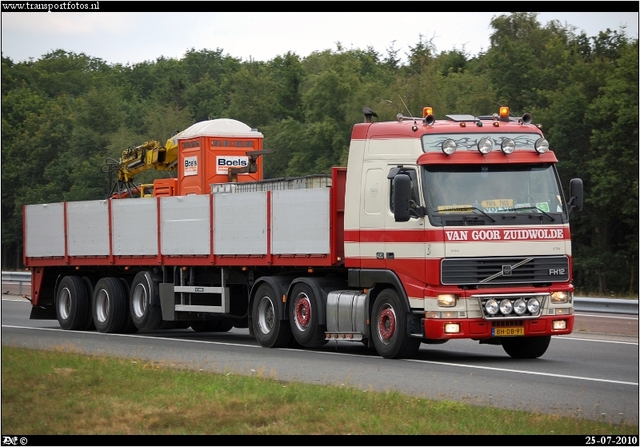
{"points": [[268, 327], [110, 306], [144, 293], [72, 303], [525, 347], [304, 317], [389, 328]]}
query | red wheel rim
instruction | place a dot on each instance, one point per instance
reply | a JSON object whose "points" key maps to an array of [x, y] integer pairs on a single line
{"points": [[303, 311], [387, 324]]}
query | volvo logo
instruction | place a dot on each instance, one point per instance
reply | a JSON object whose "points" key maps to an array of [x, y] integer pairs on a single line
{"points": [[506, 270]]}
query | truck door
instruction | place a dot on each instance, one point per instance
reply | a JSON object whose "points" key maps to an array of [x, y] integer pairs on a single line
{"points": [[405, 241]]}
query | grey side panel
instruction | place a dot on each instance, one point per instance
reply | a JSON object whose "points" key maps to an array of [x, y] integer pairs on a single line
{"points": [[135, 226], [185, 225], [300, 221], [88, 228], [240, 223], [44, 230]]}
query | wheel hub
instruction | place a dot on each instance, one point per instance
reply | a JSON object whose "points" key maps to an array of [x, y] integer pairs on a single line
{"points": [[387, 324]]}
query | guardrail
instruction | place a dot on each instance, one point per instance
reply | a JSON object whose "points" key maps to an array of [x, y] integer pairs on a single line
{"points": [[581, 304]]}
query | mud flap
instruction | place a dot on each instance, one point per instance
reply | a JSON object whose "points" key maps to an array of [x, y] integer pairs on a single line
{"points": [[43, 313]]}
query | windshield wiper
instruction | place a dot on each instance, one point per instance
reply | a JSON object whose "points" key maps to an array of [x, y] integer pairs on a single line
{"points": [[463, 209], [535, 208], [475, 208]]}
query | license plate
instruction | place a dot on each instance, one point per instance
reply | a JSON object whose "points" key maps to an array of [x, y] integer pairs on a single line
{"points": [[508, 331]]}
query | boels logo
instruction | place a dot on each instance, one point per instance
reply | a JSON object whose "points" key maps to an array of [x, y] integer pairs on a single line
{"points": [[191, 165], [224, 162]]}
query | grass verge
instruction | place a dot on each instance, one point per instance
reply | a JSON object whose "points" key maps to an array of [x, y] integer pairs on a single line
{"points": [[61, 393]]}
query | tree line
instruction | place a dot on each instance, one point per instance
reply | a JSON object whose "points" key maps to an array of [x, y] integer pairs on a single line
{"points": [[64, 114]]}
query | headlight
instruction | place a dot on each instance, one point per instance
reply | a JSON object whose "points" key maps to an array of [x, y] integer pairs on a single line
{"points": [[485, 145], [506, 306], [508, 146], [447, 300], [449, 146], [541, 145], [533, 305], [519, 307], [560, 297], [491, 307]]}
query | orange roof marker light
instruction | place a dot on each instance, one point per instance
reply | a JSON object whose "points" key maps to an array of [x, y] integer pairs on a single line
{"points": [[504, 113]]}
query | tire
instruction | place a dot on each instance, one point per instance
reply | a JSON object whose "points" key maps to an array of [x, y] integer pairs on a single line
{"points": [[389, 328], [218, 324], [526, 347], [72, 303], [144, 292], [268, 327], [304, 317], [110, 306], [129, 328]]}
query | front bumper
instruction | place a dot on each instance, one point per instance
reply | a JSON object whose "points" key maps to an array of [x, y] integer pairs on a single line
{"points": [[479, 328]]}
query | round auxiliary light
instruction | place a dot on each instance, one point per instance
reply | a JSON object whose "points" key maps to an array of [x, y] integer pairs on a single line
{"points": [[541, 145], [508, 146], [449, 146], [485, 145], [519, 307], [533, 305], [506, 306], [491, 307]]}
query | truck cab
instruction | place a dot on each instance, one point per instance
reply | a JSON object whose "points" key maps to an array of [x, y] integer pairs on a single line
{"points": [[464, 218]]}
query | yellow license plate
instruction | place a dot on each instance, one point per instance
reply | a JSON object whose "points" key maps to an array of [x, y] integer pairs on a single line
{"points": [[508, 331]]}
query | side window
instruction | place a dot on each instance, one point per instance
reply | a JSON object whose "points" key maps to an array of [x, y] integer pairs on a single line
{"points": [[415, 194]]}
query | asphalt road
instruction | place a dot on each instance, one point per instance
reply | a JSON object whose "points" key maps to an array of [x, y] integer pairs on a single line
{"points": [[592, 373]]}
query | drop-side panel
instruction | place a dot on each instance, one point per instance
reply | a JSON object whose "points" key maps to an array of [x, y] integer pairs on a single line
{"points": [[135, 227], [88, 228], [300, 221], [44, 230], [185, 225], [240, 223]]}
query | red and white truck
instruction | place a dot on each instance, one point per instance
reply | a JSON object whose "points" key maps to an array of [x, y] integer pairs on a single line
{"points": [[436, 230]]}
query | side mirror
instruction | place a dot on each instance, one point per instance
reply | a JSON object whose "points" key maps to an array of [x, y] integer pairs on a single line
{"points": [[401, 197], [577, 195]]}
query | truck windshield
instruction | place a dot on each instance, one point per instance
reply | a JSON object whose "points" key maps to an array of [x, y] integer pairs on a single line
{"points": [[496, 194]]}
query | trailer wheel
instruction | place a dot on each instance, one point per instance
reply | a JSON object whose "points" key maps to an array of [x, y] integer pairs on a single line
{"points": [[217, 324], [304, 317], [389, 328], [525, 347], [268, 327], [144, 292], [72, 303], [110, 306]]}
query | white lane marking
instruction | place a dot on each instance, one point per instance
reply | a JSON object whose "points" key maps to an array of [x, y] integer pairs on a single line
{"points": [[430, 362], [534, 373], [618, 342], [617, 317]]}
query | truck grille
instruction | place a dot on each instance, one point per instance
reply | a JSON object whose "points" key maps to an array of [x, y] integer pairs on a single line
{"points": [[506, 270]]}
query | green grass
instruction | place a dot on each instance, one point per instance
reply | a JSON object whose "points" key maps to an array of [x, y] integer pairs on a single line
{"points": [[64, 393]]}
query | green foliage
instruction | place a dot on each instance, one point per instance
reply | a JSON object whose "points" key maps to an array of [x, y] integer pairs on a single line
{"points": [[65, 114]]}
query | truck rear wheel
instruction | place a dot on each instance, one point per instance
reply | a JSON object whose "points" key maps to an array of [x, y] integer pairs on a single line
{"points": [[144, 293], [389, 328], [304, 317], [268, 327], [72, 303], [525, 347], [110, 306]]}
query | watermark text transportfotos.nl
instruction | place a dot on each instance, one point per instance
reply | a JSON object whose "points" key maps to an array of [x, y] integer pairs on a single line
{"points": [[50, 6]]}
